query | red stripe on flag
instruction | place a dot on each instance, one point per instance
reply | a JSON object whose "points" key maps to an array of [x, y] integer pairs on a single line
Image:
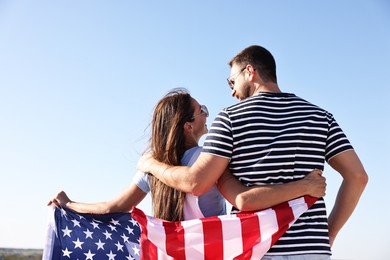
{"points": [[213, 239], [284, 215], [310, 201], [174, 245], [148, 249], [250, 229]]}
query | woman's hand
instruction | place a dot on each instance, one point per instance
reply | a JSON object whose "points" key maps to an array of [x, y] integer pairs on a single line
{"points": [[60, 200], [145, 163], [315, 183]]}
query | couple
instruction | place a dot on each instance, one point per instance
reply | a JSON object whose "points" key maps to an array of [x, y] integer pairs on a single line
{"points": [[268, 138]]}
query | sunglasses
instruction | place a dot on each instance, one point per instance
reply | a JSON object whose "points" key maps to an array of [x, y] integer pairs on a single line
{"points": [[231, 81], [203, 110]]}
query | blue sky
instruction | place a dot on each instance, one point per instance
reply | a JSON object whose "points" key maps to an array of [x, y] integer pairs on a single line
{"points": [[79, 80]]}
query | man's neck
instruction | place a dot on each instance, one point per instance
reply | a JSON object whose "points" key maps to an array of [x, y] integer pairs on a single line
{"points": [[267, 87]]}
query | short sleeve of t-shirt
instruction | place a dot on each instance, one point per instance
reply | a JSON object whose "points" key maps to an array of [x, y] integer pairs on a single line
{"points": [[142, 181], [191, 155], [219, 140], [337, 142]]}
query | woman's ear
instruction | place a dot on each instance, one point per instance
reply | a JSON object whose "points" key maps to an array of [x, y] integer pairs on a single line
{"points": [[187, 127]]}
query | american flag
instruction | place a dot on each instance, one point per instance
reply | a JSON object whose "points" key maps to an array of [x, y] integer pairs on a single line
{"points": [[72, 235], [137, 236]]}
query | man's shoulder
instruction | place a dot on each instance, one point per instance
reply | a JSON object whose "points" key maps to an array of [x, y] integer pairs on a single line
{"points": [[309, 103], [268, 99]]}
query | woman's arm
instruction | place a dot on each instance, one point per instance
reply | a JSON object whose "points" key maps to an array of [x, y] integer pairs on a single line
{"points": [[122, 203], [265, 196]]}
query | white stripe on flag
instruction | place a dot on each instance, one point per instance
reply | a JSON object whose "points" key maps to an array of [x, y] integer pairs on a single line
{"points": [[157, 237], [298, 206], [268, 223], [163, 255], [232, 236], [268, 226], [193, 238], [51, 232]]}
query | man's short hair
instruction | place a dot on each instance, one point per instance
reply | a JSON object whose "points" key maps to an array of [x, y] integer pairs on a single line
{"points": [[260, 58]]}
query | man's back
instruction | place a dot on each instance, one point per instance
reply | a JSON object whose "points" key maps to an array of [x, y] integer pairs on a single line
{"points": [[274, 138]]}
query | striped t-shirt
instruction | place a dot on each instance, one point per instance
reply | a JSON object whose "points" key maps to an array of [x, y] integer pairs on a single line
{"points": [[274, 138]]}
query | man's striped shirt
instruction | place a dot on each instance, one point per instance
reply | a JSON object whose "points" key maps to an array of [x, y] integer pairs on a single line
{"points": [[274, 138]]}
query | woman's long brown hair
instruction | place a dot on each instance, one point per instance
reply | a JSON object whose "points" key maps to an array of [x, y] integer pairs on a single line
{"points": [[167, 144]]}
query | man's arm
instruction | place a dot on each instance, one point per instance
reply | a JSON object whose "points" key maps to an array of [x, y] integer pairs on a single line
{"points": [[196, 179], [265, 196], [355, 180]]}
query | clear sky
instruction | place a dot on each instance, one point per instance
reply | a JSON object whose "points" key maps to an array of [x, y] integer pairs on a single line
{"points": [[79, 80]]}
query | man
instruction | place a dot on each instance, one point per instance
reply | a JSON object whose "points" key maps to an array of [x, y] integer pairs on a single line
{"points": [[271, 137]]}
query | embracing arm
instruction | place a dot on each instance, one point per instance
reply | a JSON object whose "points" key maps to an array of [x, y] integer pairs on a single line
{"points": [[355, 180], [122, 203], [265, 196], [196, 179]]}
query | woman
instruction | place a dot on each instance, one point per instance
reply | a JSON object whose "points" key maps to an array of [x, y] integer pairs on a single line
{"points": [[179, 121]]}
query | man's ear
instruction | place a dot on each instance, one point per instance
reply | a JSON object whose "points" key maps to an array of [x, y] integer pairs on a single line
{"points": [[251, 70]]}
